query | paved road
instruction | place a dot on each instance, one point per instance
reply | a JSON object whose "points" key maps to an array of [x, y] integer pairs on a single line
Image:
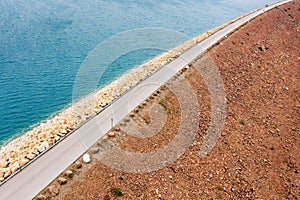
{"points": [[31, 180]]}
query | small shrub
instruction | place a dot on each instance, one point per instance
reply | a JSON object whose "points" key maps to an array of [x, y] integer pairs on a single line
{"points": [[242, 122], [219, 188], [163, 104], [272, 148], [117, 192]]}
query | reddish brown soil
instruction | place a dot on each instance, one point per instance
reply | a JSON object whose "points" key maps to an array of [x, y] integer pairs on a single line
{"points": [[260, 65], [258, 153]]}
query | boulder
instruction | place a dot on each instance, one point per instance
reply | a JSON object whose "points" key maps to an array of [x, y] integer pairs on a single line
{"points": [[96, 110], [117, 128], [35, 151], [3, 163], [111, 134], [51, 141], [14, 169], [6, 172], [53, 190], [41, 148], [23, 161], [62, 180], [77, 165], [63, 131], [30, 156], [56, 137], [46, 144], [69, 173]]}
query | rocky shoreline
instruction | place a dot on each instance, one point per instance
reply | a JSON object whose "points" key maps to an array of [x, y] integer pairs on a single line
{"points": [[20, 151]]}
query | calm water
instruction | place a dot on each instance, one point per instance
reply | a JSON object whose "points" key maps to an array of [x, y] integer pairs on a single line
{"points": [[43, 43]]}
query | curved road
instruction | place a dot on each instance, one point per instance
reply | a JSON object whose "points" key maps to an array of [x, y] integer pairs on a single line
{"points": [[35, 177]]}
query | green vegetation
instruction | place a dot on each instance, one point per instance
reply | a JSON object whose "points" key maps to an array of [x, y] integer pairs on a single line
{"points": [[117, 192], [163, 104], [168, 105], [272, 148], [219, 188]]}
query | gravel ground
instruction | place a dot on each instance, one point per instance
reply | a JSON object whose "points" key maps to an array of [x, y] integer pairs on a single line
{"points": [[257, 154]]}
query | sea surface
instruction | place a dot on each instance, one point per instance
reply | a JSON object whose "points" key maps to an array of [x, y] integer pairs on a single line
{"points": [[43, 44]]}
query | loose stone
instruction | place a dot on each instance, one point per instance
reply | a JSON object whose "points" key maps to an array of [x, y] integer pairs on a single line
{"points": [[111, 134], [62, 180]]}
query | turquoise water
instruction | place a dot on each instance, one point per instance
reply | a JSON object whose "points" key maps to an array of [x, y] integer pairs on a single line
{"points": [[43, 43]]}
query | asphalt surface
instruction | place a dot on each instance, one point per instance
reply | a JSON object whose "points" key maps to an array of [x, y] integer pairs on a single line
{"points": [[35, 177]]}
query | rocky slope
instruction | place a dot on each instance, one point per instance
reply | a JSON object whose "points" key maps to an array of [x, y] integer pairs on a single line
{"points": [[257, 153]]}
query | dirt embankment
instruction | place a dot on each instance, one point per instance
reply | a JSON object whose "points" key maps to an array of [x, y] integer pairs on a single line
{"points": [[257, 154]]}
